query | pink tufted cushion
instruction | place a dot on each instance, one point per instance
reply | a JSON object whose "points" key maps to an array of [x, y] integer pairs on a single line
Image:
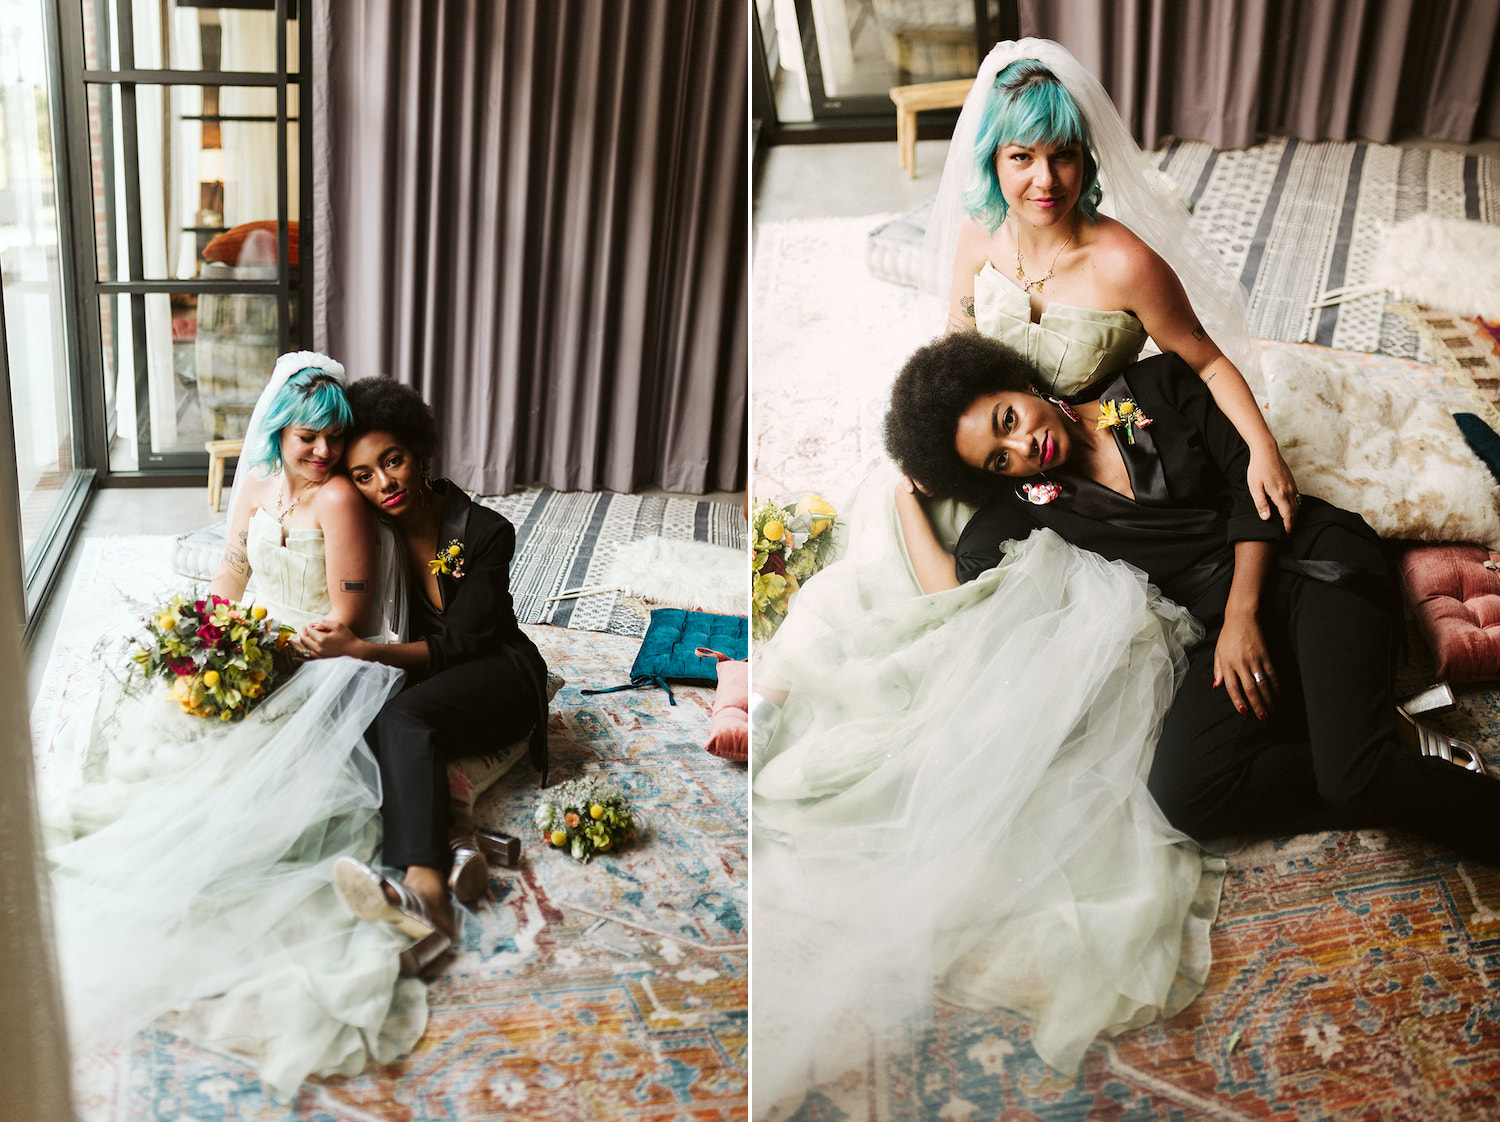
{"points": [[1457, 605]]}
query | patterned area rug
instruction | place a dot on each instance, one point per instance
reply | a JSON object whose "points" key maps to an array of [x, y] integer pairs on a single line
{"points": [[612, 990], [1468, 350], [567, 540], [1356, 978], [1294, 219]]}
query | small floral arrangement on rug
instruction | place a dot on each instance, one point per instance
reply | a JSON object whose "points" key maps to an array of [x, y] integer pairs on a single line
{"points": [[221, 658], [585, 817], [792, 542]]}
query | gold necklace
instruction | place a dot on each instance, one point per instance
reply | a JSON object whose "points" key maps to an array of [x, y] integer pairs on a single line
{"points": [[1027, 284], [283, 515]]}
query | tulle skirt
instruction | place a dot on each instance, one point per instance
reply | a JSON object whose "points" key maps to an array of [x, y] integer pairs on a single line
{"points": [[953, 805], [191, 874]]}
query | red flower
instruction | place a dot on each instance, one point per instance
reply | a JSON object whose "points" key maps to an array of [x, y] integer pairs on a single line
{"points": [[774, 564], [210, 634], [183, 668], [199, 605]]}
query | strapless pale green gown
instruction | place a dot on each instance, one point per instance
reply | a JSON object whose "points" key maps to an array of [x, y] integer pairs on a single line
{"points": [[953, 802]]}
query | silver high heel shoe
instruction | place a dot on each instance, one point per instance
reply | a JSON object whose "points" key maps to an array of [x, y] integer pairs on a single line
{"points": [[364, 892], [1444, 747], [470, 875]]}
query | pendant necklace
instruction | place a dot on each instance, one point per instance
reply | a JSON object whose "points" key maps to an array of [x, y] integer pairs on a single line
{"points": [[1027, 284], [282, 515]]}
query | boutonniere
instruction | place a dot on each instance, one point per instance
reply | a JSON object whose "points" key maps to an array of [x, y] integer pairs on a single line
{"points": [[449, 560], [1124, 414]]}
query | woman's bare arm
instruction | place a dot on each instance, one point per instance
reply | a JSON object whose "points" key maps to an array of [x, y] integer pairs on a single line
{"points": [[234, 567], [349, 550], [935, 567], [1138, 279], [968, 258]]}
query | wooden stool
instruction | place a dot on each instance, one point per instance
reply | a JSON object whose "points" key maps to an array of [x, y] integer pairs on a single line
{"points": [[911, 100], [219, 452]]}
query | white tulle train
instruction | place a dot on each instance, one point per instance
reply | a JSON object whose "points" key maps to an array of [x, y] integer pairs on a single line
{"points": [[953, 805]]}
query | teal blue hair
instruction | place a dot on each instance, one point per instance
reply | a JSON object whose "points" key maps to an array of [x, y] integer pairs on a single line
{"points": [[1027, 106], [311, 397]]}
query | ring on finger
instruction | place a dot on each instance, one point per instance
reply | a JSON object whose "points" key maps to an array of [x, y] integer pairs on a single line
{"points": [[1257, 678]]}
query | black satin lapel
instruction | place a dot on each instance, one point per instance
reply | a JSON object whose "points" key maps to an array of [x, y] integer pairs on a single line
{"points": [[1143, 466], [454, 525], [1098, 502]]}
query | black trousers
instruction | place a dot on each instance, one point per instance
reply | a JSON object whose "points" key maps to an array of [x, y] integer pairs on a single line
{"points": [[470, 709], [1329, 757]]}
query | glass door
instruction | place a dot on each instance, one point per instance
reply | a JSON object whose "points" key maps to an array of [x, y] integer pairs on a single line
{"points": [[187, 140], [39, 402]]}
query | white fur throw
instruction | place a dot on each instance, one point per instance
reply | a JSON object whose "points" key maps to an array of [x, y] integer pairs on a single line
{"points": [[1443, 263], [683, 574], [1401, 463]]}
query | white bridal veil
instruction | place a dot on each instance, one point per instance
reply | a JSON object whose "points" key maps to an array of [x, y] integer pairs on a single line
{"points": [[1135, 193]]}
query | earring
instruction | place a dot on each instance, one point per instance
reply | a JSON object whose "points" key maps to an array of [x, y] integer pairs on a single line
{"points": [[1039, 494]]}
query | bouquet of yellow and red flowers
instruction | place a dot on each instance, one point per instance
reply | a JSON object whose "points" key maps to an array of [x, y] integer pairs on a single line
{"points": [[792, 542], [585, 817], [221, 658]]}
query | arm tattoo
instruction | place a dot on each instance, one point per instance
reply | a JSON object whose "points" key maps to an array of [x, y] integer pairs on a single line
{"points": [[967, 304], [237, 560], [1198, 332], [958, 324], [352, 585]]}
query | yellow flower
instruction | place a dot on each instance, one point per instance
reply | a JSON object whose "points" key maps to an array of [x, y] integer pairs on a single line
{"points": [[455, 549], [816, 504], [166, 621], [225, 715], [1127, 407], [1109, 416], [596, 812], [211, 678], [773, 531], [559, 837], [182, 688], [258, 612]]}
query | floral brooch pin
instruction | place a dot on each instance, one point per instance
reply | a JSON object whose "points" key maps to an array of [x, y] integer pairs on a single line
{"points": [[449, 560], [1125, 414]]}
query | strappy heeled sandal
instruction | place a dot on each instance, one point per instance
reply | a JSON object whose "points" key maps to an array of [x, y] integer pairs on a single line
{"points": [[470, 875], [1431, 742], [504, 848], [364, 893]]}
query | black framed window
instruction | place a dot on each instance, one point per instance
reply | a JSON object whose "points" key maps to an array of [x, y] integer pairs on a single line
{"points": [[187, 153]]}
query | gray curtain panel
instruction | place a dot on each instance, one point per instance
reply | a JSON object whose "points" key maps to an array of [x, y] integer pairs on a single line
{"points": [[536, 215], [1224, 71]]}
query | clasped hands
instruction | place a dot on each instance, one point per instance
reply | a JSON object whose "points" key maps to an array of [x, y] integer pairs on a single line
{"points": [[327, 638]]}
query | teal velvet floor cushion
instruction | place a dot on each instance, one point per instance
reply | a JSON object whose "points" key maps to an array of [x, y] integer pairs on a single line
{"points": [[669, 651]]}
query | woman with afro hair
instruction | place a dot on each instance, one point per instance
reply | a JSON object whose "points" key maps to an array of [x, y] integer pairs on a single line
{"points": [[474, 679]]}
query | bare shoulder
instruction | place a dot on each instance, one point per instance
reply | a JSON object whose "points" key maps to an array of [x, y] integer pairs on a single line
{"points": [[339, 498], [973, 248], [1122, 261], [258, 490]]}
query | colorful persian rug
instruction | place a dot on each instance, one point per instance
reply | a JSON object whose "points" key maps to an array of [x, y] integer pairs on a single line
{"points": [[1468, 349], [615, 989], [567, 540]]}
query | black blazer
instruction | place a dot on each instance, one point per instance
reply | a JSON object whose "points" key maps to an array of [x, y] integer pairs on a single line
{"points": [[1191, 503], [478, 615]]}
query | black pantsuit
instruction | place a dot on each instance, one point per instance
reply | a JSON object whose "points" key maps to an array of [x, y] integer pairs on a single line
{"points": [[484, 686], [1329, 755]]}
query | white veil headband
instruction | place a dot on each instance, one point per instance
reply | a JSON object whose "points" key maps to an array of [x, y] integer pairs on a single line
{"points": [[1135, 193], [388, 619]]}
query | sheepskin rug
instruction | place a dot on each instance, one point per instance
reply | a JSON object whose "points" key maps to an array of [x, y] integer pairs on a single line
{"points": [[1400, 462], [683, 574], [1443, 263]]}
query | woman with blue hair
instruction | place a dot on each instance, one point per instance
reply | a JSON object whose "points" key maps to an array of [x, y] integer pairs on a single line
{"points": [[192, 865]]}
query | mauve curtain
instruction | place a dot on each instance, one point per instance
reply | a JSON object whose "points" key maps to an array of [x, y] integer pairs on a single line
{"points": [[1225, 70], [536, 214]]}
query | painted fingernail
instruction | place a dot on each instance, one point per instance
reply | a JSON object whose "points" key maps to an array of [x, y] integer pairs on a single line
{"points": [[1262, 716], [1242, 710]]}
